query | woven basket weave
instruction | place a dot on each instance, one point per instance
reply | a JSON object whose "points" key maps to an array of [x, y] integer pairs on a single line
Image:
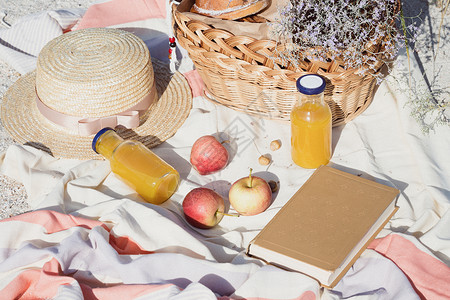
{"points": [[238, 73]]}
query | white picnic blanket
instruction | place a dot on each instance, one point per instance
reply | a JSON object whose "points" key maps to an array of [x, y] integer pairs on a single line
{"points": [[90, 236]]}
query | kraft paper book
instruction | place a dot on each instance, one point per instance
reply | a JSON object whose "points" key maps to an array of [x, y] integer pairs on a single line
{"points": [[326, 225]]}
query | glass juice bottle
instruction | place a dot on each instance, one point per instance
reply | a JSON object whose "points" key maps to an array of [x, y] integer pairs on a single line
{"points": [[150, 176], [311, 124]]}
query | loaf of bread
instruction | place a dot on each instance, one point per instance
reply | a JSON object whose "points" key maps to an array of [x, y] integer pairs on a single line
{"points": [[229, 9]]}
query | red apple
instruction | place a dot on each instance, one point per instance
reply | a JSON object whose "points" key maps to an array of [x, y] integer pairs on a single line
{"points": [[208, 155], [203, 208], [250, 195]]}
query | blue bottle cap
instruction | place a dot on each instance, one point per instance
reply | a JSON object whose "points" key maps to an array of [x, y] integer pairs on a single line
{"points": [[99, 134], [311, 84]]}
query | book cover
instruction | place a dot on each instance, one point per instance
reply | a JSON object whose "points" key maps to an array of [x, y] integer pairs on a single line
{"points": [[326, 224]]}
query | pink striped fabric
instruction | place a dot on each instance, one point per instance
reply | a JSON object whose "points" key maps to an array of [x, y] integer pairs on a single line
{"points": [[66, 241], [428, 275], [122, 11], [54, 222]]}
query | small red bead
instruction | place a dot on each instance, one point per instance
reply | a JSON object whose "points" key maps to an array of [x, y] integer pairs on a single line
{"points": [[170, 50], [172, 40]]}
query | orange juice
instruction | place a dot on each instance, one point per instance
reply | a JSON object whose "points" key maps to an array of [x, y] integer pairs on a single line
{"points": [[150, 176], [311, 124]]}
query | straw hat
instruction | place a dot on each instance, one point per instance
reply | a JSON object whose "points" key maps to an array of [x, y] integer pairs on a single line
{"points": [[89, 79]]}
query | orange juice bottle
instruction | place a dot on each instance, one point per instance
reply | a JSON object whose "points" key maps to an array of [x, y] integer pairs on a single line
{"points": [[311, 124], [150, 176]]}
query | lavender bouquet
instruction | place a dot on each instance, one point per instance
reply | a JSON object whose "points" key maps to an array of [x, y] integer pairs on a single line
{"points": [[358, 34]]}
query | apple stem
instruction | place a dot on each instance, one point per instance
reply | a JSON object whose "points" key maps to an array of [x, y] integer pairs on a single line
{"points": [[226, 214], [226, 141], [250, 177]]}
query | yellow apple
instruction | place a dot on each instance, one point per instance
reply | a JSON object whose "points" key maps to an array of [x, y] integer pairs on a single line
{"points": [[250, 195]]}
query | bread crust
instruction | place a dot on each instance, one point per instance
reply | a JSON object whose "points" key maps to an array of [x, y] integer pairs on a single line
{"points": [[229, 9]]}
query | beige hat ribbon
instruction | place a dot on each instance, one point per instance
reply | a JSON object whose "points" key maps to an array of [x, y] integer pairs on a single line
{"points": [[89, 126]]}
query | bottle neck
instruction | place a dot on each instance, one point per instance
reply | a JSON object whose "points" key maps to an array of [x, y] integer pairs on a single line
{"points": [[107, 143], [317, 98]]}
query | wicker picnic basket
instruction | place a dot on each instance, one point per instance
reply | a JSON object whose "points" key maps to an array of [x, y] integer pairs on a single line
{"points": [[239, 73]]}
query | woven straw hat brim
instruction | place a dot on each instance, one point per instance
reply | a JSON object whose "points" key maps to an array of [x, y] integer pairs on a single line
{"points": [[23, 121]]}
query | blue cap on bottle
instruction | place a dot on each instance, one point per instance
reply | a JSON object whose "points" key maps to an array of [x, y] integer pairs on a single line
{"points": [[311, 84], [99, 134]]}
